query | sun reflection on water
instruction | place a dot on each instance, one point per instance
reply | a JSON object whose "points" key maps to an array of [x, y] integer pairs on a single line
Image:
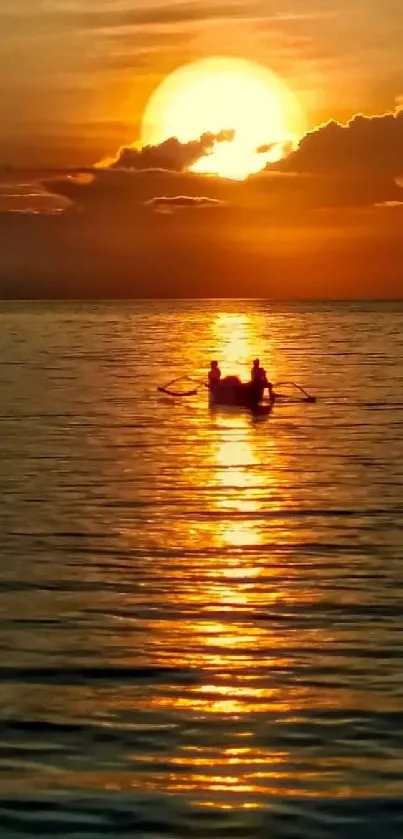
{"points": [[221, 579], [220, 635], [237, 340], [210, 629]]}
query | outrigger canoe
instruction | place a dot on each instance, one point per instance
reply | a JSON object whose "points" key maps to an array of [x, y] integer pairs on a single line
{"points": [[230, 391]]}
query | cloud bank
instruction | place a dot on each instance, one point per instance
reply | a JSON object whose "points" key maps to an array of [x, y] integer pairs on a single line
{"points": [[165, 203], [171, 155], [325, 221], [359, 164], [369, 146]]}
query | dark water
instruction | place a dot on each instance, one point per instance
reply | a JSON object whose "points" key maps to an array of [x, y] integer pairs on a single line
{"points": [[201, 625]]}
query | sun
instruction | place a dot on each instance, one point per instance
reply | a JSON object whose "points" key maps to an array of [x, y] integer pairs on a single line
{"points": [[226, 94]]}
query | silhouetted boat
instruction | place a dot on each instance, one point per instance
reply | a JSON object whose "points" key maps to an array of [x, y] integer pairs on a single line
{"points": [[231, 392]]}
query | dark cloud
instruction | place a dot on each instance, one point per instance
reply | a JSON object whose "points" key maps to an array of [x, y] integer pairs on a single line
{"points": [[272, 197], [171, 155], [126, 192], [369, 146], [165, 203], [327, 220], [264, 149], [351, 166], [29, 197], [285, 147]]}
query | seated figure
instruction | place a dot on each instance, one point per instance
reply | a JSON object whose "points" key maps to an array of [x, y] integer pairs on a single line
{"points": [[260, 381], [214, 375]]}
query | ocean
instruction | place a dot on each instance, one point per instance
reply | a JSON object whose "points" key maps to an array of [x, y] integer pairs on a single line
{"points": [[201, 613]]}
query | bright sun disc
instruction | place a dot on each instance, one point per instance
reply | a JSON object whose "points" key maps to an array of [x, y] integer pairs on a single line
{"points": [[220, 94]]}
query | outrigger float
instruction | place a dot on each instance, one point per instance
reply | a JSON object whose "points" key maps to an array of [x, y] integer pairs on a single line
{"points": [[231, 392]]}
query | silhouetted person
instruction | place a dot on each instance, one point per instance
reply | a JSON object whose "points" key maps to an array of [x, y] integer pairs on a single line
{"points": [[260, 381], [214, 375]]}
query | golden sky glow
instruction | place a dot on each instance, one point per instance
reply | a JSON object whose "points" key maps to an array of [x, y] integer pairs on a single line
{"points": [[76, 75], [84, 82], [225, 94]]}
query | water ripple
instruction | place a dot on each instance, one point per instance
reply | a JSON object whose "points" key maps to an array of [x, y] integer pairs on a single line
{"points": [[200, 613]]}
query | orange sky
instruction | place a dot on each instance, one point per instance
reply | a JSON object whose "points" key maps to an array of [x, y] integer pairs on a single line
{"points": [[75, 75], [75, 78]]}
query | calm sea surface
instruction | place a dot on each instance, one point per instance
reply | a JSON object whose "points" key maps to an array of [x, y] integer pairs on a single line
{"points": [[201, 615]]}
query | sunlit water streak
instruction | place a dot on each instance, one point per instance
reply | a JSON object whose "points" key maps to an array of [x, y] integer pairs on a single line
{"points": [[200, 613]]}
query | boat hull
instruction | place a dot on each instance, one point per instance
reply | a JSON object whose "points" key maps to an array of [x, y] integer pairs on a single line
{"points": [[231, 392]]}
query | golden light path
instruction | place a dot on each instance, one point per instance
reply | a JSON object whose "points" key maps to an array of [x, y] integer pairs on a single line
{"points": [[218, 636], [219, 94], [218, 570], [237, 469]]}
